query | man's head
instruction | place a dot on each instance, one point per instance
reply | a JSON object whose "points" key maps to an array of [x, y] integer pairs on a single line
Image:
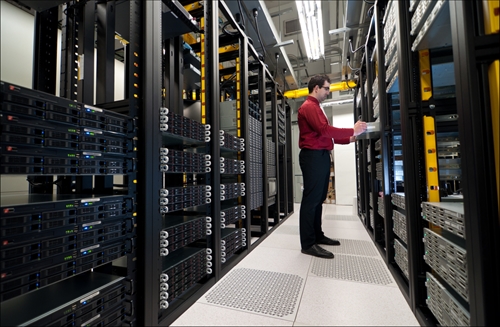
{"points": [[319, 87]]}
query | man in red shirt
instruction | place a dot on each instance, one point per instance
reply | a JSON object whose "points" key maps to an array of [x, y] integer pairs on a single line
{"points": [[316, 141]]}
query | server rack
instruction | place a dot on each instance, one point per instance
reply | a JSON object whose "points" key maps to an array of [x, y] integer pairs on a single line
{"points": [[199, 64], [172, 244], [434, 247], [79, 240]]}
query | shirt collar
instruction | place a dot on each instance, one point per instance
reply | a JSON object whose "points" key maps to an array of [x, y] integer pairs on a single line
{"points": [[311, 98]]}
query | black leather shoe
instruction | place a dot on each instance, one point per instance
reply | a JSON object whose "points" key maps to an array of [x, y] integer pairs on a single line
{"points": [[328, 241], [318, 251]]}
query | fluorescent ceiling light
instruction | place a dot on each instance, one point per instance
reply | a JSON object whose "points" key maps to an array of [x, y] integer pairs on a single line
{"points": [[311, 24]]}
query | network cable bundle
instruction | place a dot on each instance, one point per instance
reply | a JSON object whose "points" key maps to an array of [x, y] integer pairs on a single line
{"points": [[52, 243]]}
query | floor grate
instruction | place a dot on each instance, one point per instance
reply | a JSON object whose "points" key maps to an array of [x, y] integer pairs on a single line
{"points": [[352, 268], [341, 217], [266, 292], [355, 247]]}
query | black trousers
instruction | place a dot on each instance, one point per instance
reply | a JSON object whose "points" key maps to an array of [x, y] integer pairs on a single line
{"points": [[315, 166]]}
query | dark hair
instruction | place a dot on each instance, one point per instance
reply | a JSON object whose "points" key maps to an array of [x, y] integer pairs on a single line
{"points": [[318, 80]]}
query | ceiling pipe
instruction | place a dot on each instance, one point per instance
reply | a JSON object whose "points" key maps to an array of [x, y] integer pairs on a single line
{"points": [[340, 86]]}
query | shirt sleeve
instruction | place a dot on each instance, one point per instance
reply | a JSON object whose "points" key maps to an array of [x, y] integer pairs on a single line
{"points": [[342, 141], [318, 122]]}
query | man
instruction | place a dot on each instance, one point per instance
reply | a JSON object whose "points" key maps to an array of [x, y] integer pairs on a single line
{"points": [[316, 141]]}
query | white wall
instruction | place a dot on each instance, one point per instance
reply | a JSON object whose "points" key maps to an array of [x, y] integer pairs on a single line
{"points": [[344, 158], [343, 155], [16, 45]]}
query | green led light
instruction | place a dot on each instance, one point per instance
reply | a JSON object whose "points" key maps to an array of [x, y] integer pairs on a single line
{"points": [[72, 130], [70, 205]]}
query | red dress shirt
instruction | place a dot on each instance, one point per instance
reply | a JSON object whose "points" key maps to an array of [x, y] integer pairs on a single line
{"points": [[314, 129]]}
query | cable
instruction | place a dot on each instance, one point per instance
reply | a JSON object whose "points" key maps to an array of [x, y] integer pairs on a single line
{"points": [[227, 80], [242, 16], [255, 14], [350, 45], [353, 69], [368, 11], [224, 29]]}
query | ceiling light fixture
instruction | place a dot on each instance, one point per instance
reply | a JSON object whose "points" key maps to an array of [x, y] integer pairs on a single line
{"points": [[311, 24]]}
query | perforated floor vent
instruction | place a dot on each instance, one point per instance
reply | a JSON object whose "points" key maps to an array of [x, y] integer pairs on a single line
{"points": [[352, 268], [356, 247], [265, 292], [341, 217]]}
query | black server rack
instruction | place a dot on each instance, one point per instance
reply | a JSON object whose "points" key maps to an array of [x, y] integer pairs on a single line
{"points": [[429, 207], [195, 197], [76, 235]]}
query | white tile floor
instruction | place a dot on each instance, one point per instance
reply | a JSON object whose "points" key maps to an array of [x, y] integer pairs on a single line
{"points": [[322, 301]]}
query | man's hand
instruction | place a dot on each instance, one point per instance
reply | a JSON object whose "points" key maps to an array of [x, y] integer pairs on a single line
{"points": [[352, 139], [359, 128]]}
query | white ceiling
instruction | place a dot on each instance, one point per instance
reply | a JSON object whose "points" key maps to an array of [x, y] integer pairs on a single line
{"points": [[336, 15]]}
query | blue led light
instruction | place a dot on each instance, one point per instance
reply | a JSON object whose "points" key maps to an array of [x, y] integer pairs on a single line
{"points": [[84, 252], [84, 302], [85, 228]]}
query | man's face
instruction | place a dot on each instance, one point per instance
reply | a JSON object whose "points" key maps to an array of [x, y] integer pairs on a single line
{"points": [[323, 92]]}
